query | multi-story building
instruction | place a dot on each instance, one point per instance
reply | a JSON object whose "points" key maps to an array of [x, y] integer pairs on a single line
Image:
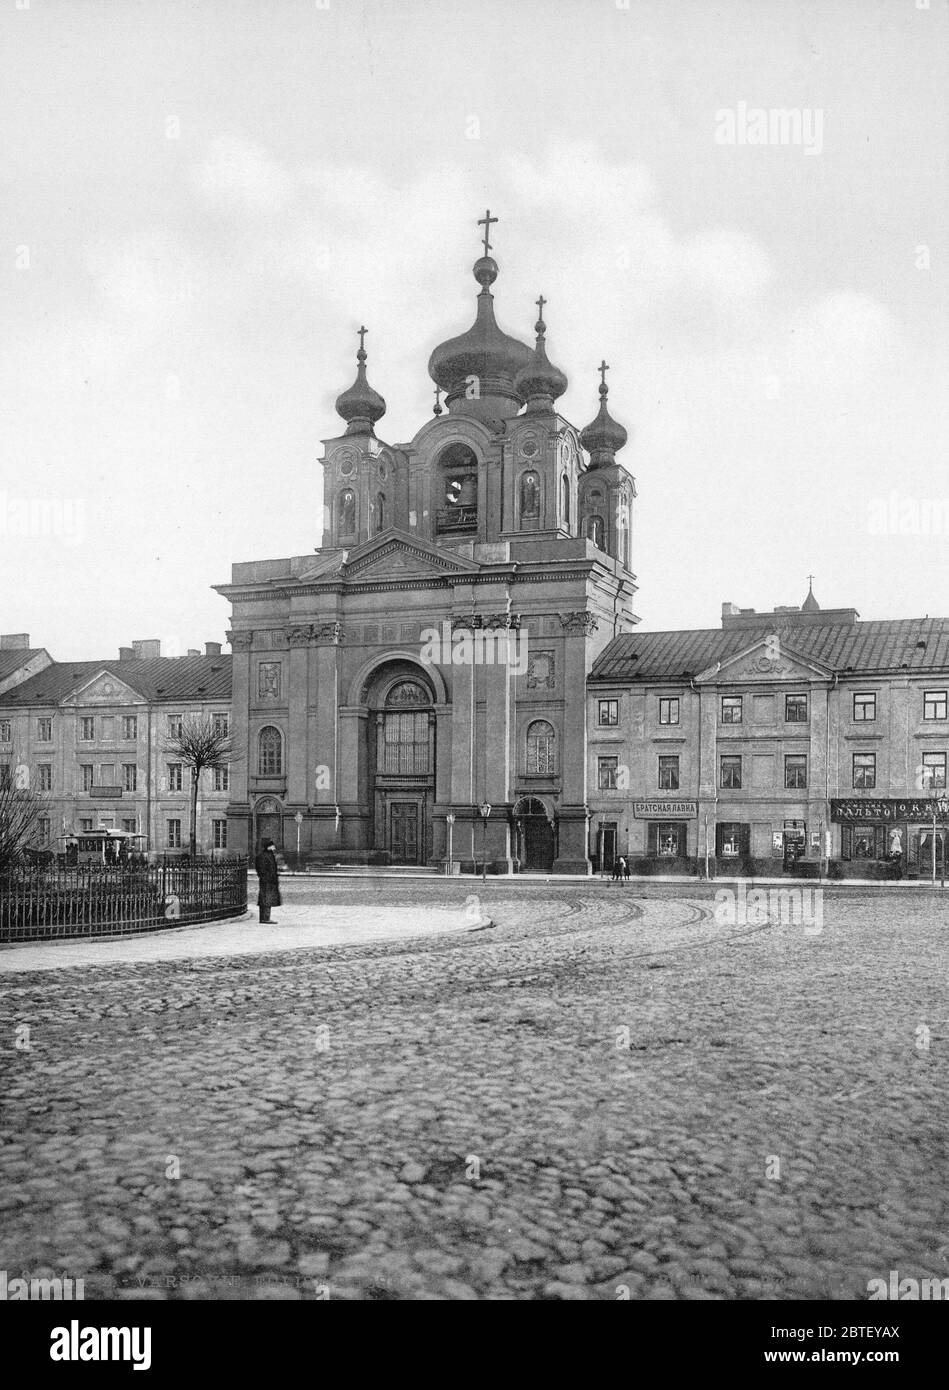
{"points": [[18, 660], [800, 732], [90, 736]]}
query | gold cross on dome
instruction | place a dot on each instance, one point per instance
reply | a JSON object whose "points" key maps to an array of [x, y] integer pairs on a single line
{"points": [[540, 301], [362, 338], [603, 368], [486, 222]]}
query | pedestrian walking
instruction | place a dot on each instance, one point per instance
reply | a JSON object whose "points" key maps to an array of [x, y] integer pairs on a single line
{"points": [[625, 869], [268, 879], [617, 871], [621, 865]]}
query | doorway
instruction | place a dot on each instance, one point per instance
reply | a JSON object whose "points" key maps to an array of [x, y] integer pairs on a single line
{"points": [[404, 831], [536, 847]]}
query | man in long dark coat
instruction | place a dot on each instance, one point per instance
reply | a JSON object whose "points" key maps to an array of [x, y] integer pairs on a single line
{"points": [[268, 879]]}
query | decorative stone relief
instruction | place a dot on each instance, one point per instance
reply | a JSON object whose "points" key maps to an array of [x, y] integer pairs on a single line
{"points": [[541, 671], [579, 621], [268, 680]]}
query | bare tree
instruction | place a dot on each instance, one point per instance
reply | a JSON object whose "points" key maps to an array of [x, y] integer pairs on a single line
{"points": [[200, 743], [20, 810]]}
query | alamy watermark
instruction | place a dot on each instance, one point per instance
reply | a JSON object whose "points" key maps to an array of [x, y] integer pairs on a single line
{"points": [[897, 515], [491, 646], [758, 125], [32, 517], [742, 906]]}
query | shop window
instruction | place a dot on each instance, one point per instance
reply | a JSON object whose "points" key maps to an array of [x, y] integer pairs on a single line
{"points": [[732, 839], [864, 771], [666, 840]]}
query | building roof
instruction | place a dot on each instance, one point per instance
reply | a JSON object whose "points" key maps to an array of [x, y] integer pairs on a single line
{"points": [[900, 644], [13, 658], [163, 679]]}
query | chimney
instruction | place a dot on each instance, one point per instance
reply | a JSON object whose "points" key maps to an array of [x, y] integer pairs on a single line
{"points": [[147, 650], [126, 654], [14, 641], [212, 649], [730, 610], [193, 651]]}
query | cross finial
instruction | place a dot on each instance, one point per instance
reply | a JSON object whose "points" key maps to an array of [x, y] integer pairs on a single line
{"points": [[540, 301], [810, 581], [603, 368], [486, 222], [362, 338], [437, 407]]}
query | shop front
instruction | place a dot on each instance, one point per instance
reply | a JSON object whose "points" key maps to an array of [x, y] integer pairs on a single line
{"points": [[891, 833], [666, 829]]}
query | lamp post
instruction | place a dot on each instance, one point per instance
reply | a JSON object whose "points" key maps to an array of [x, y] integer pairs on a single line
{"points": [[450, 822], [484, 810]]}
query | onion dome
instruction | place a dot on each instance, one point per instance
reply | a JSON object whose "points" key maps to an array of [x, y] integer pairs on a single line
{"points": [[540, 382], [604, 436], [810, 604], [477, 369], [360, 406]]}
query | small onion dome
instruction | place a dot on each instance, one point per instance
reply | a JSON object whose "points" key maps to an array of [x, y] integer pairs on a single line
{"points": [[604, 436], [484, 353], [540, 382], [360, 406], [810, 604]]}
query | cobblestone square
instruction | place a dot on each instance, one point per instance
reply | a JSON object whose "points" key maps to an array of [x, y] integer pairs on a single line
{"points": [[606, 1094]]}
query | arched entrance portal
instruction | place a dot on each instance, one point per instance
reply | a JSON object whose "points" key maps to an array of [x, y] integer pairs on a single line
{"points": [[534, 835], [401, 758]]}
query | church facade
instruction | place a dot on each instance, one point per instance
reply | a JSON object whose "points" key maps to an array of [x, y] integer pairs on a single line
{"points": [[414, 692]]}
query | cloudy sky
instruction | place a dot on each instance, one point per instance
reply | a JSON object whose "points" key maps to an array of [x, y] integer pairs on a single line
{"points": [[203, 199]]}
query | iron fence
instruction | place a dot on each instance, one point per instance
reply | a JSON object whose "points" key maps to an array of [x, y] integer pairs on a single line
{"points": [[114, 900]]}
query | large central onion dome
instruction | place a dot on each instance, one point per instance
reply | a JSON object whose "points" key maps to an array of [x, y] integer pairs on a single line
{"points": [[477, 370]]}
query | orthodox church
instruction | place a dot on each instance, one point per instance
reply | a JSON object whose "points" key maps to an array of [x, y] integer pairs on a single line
{"points": [[414, 692]]}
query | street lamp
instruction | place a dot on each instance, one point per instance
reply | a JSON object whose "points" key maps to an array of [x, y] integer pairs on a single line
{"points": [[450, 822], [484, 810]]}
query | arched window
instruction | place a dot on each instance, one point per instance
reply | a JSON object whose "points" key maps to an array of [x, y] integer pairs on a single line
{"points": [[595, 531], [456, 485], [347, 512], [540, 748], [269, 752], [565, 500], [380, 512], [405, 744], [530, 495]]}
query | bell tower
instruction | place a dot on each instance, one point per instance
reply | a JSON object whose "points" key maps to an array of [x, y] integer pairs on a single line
{"points": [[358, 481], [606, 490]]}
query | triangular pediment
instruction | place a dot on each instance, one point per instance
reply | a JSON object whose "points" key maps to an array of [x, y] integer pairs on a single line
{"points": [[397, 555], [765, 661], [104, 688]]}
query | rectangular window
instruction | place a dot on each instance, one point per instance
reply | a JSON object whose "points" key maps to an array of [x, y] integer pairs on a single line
{"points": [[606, 774], [45, 771], [669, 773], [87, 728], [732, 840], [174, 725], [666, 841], [174, 777], [86, 771], [43, 826], [219, 724], [44, 730], [864, 706], [220, 834], [130, 826], [934, 704], [174, 834], [222, 779], [5, 779], [731, 709], [85, 825], [129, 727], [107, 728], [607, 714], [4, 730], [864, 771], [795, 709], [795, 771], [669, 710], [731, 772], [130, 772], [934, 770]]}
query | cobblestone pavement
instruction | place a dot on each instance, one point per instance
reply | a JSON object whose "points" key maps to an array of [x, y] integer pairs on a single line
{"points": [[606, 1094]]}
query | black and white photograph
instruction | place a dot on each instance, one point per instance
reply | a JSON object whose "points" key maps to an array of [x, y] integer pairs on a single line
{"points": [[474, 670]]}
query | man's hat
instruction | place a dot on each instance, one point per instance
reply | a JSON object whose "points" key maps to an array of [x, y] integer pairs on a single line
{"points": [[266, 844]]}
